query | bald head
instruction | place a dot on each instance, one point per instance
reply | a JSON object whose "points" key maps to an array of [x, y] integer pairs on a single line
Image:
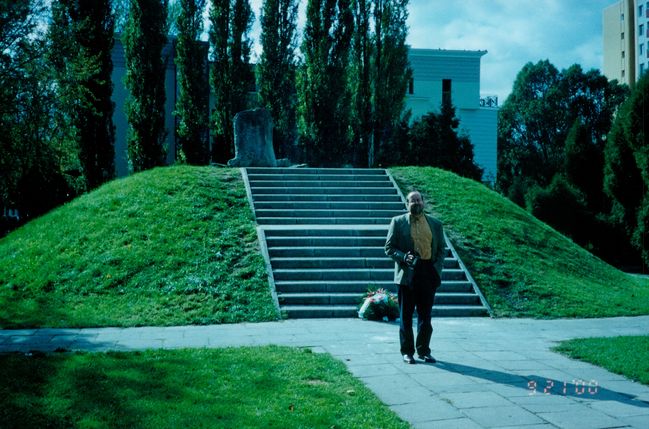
{"points": [[415, 203]]}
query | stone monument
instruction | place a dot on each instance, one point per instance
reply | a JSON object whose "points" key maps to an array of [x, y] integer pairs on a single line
{"points": [[253, 139]]}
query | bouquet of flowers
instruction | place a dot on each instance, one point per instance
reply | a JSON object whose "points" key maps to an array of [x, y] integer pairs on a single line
{"points": [[379, 304]]}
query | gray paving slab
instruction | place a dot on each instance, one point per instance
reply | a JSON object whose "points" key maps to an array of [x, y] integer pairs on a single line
{"points": [[491, 372]]}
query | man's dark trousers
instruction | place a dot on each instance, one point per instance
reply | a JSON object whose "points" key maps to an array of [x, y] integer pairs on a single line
{"points": [[419, 295]]}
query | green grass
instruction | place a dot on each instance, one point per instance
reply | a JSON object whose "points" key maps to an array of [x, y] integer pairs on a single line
{"points": [[627, 356], [523, 267], [236, 388], [170, 246]]}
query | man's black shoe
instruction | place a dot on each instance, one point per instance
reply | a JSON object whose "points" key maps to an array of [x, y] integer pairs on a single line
{"points": [[409, 359], [427, 358]]}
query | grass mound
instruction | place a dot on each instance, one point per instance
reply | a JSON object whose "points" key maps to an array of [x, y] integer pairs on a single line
{"points": [[523, 266], [170, 246]]}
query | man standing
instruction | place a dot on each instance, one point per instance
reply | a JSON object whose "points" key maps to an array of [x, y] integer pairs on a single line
{"points": [[416, 244]]}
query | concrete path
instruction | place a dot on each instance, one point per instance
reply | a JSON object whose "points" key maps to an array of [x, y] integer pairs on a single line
{"points": [[492, 373]]}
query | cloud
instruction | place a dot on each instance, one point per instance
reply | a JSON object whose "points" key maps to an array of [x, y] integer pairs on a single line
{"points": [[513, 32]]}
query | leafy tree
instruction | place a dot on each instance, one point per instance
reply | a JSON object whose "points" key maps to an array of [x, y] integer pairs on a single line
{"points": [[231, 75], [276, 71], [145, 36], [323, 94], [527, 146], [434, 141], [536, 118], [193, 88], [626, 175], [584, 166], [81, 37], [33, 167]]}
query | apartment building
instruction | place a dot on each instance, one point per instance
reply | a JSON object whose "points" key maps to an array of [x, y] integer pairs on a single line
{"points": [[625, 35]]}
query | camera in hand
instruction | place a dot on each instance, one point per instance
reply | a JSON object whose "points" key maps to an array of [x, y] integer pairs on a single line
{"points": [[414, 261]]}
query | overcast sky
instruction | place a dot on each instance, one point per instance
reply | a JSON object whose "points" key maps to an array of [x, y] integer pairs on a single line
{"points": [[514, 32]]}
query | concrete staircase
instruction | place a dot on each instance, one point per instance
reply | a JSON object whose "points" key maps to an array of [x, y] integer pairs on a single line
{"points": [[322, 233]]}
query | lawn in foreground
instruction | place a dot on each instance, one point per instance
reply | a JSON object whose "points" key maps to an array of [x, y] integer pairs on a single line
{"points": [[523, 266], [627, 356], [277, 387]]}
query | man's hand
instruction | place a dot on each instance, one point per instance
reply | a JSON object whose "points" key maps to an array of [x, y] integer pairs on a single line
{"points": [[410, 259]]}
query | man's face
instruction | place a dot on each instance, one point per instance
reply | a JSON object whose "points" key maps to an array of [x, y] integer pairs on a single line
{"points": [[415, 203]]}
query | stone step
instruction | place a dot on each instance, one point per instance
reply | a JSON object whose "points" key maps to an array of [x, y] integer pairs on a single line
{"points": [[334, 241], [396, 206], [256, 178], [343, 262], [392, 198], [352, 274], [336, 251], [337, 286], [441, 298], [327, 252], [326, 213], [326, 231], [328, 311], [301, 190], [323, 221], [317, 171], [315, 184]]}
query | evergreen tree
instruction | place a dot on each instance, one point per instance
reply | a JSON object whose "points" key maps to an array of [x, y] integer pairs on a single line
{"points": [[231, 75], [145, 36], [276, 72], [626, 174], [81, 38], [193, 88], [435, 141], [323, 94]]}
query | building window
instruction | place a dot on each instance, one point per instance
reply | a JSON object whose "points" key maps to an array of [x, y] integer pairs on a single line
{"points": [[641, 28], [641, 48], [640, 10], [446, 91], [641, 69], [622, 54], [622, 36], [622, 74], [411, 86], [622, 17]]}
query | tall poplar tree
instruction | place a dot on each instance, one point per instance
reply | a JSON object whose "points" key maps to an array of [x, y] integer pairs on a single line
{"points": [[81, 43], [361, 82], [323, 93], [276, 71], [193, 87], [379, 77], [231, 74], [391, 74], [145, 36]]}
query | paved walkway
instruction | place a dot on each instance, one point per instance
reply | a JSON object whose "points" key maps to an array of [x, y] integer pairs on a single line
{"points": [[492, 373]]}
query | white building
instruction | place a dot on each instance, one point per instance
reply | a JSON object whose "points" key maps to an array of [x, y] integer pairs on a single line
{"points": [[440, 73], [625, 36]]}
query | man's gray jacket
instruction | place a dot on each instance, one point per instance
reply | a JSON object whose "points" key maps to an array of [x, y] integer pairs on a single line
{"points": [[399, 242]]}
